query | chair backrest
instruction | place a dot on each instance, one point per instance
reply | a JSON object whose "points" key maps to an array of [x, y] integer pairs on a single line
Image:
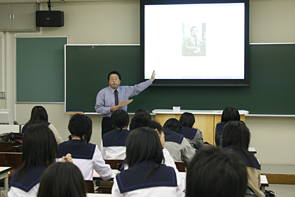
{"points": [[180, 166], [89, 186], [113, 163], [20, 148], [105, 186], [11, 159], [6, 147]]}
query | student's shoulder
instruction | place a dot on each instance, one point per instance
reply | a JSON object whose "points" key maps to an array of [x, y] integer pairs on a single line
{"points": [[110, 133], [65, 143]]}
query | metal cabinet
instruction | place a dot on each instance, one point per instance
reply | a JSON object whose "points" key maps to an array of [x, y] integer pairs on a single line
{"points": [[18, 16]]}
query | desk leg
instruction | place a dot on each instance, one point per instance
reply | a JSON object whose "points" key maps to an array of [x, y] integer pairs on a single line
{"points": [[6, 184]]}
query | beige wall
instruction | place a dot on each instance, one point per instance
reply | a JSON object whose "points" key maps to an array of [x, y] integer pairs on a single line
{"points": [[117, 22]]}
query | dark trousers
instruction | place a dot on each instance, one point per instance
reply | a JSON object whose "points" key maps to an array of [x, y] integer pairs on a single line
{"points": [[106, 125]]}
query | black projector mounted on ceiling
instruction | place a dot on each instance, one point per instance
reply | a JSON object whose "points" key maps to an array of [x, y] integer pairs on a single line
{"points": [[49, 18]]}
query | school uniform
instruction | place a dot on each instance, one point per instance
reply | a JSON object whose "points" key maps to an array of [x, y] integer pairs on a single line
{"points": [[113, 144], [178, 146], [169, 161], [218, 133], [52, 128], [167, 157], [28, 184], [162, 181], [194, 136], [253, 169], [86, 157]]}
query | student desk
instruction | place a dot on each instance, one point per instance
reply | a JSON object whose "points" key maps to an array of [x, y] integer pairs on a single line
{"points": [[10, 128], [4, 175], [252, 150], [97, 176], [206, 120], [264, 182]]}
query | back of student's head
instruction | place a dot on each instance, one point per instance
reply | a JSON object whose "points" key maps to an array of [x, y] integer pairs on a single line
{"points": [[38, 114], [230, 113], [39, 147], [143, 144], [187, 119], [139, 121], [157, 126], [144, 113], [119, 119], [81, 125], [236, 134], [173, 124], [214, 173], [62, 180]]}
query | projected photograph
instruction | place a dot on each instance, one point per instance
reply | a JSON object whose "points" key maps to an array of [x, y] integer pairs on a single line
{"points": [[194, 39], [195, 42]]}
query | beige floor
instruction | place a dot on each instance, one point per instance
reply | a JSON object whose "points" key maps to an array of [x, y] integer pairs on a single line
{"points": [[282, 190]]}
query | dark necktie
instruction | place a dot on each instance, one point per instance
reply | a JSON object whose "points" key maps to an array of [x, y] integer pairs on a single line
{"points": [[116, 97]]}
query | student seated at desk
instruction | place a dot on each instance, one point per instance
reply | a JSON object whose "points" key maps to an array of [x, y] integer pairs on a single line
{"points": [[113, 142], [147, 176], [193, 135], [62, 180], [236, 139], [86, 156], [228, 114], [177, 145], [39, 115], [214, 173], [140, 121], [39, 151]]}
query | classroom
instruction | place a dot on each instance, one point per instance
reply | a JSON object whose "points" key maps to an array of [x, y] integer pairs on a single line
{"points": [[118, 22]]}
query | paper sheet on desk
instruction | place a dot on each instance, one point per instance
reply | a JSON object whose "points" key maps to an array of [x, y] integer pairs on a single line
{"points": [[96, 175], [126, 102]]}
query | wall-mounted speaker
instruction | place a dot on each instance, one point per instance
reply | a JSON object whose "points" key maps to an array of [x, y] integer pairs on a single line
{"points": [[49, 18]]}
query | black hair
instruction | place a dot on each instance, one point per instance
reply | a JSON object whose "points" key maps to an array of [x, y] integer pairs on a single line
{"points": [[81, 125], [214, 173], [187, 119], [236, 135], [62, 179], [38, 115], [39, 148], [114, 72], [173, 124], [139, 121], [119, 119], [155, 125], [230, 113], [143, 144], [144, 113]]}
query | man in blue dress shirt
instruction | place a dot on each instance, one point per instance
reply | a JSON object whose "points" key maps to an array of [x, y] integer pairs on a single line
{"points": [[108, 99]]}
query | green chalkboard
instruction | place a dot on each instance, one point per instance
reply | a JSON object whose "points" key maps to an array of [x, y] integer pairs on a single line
{"points": [[40, 69], [271, 91]]}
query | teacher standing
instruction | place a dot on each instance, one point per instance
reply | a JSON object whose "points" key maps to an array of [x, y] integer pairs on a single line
{"points": [[108, 99]]}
